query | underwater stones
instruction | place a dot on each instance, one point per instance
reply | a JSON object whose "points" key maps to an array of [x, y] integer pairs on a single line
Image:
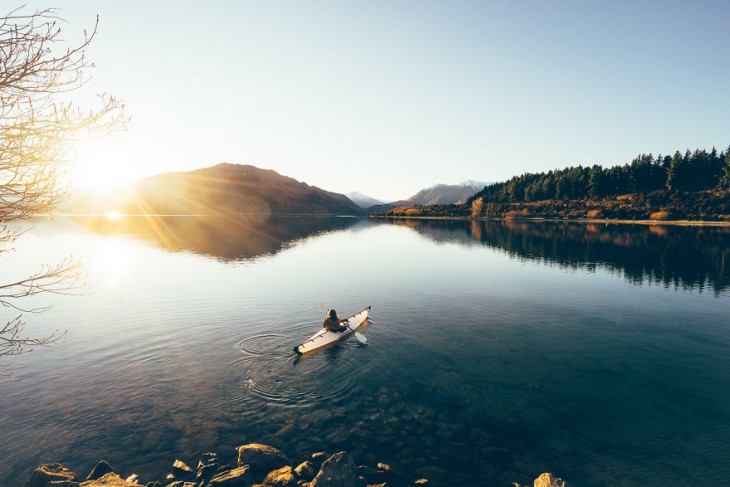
{"points": [[207, 467], [338, 471], [261, 458], [206, 472], [282, 477], [321, 470], [100, 469], [548, 480], [207, 458], [232, 478], [318, 458], [107, 480], [305, 471], [51, 474], [181, 471], [383, 474]]}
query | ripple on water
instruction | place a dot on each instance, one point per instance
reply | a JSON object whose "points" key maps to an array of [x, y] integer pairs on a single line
{"points": [[271, 371]]}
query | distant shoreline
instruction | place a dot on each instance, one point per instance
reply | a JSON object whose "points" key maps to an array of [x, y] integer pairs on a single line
{"points": [[681, 223]]}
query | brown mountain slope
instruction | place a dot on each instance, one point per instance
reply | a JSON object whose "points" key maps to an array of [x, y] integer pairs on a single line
{"points": [[231, 188]]}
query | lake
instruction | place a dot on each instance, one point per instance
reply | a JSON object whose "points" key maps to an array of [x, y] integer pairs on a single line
{"points": [[497, 350]]}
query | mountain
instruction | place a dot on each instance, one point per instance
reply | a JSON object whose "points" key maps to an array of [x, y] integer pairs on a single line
{"points": [[225, 189], [439, 194], [445, 194], [362, 200]]}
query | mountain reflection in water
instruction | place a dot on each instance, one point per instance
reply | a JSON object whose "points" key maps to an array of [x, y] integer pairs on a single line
{"points": [[226, 237], [689, 257]]}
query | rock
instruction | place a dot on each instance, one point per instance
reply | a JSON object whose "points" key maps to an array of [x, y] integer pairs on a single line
{"points": [[52, 474], [100, 469], [547, 480], [206, 472], [262, 459], [232, 478], [109, 480], [420, 482], [208, 458], [283, 477], [181, 470], [305, 471], [319, 458], [338, 471], [383, 474], [153, 484]]}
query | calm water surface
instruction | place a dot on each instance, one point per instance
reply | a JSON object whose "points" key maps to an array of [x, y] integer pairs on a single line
{"points": [[496, 351]]}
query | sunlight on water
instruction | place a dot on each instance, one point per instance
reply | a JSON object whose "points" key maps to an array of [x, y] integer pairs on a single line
{"points": [[496, 352], [114, 262]]}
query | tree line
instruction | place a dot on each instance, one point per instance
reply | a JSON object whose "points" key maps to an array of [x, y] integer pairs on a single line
{"points": [[692, 171]]}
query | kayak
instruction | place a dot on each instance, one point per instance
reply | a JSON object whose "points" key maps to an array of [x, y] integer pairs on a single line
{"points": [[326, 337]]}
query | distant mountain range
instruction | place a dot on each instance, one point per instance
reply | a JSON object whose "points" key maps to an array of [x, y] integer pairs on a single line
{"points": [[445, 194], [245, 189], [362, 200], [439, 194]]}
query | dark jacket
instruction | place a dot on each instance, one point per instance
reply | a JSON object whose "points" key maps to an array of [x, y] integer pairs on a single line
{"points": [[333, 324]]}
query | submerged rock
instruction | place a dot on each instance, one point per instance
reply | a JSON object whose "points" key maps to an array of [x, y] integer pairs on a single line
{"points": [[100, 469], [261, 459], [108, 480], [283, 477], [305, 471], [208, 458], [52, 474], [232, 478], [181, 470], [546, 480], [206, 472], [319, 458], [383, 474], [338, 471]]}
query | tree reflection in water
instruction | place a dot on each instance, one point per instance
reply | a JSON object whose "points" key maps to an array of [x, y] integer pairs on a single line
{"points": [[689, 257]]}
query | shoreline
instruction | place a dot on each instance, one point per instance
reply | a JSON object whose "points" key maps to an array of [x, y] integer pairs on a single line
{"points": [[256, 464], [682, 223]]}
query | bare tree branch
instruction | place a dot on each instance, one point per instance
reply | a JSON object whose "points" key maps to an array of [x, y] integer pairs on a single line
{"points": [[37, 129]]}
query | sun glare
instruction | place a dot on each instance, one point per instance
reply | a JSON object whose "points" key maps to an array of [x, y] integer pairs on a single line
{"points": [[113, 262], [100, 165], [114, 215]]}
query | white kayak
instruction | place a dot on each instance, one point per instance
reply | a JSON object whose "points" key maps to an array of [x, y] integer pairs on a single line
{"points": [[326, 337]]}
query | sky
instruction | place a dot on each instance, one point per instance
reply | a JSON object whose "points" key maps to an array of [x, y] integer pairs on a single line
{"points": [[389, 97]]}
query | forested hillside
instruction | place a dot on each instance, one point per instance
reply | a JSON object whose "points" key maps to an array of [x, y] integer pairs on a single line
{"points": [[690, 186], [691, 171]]}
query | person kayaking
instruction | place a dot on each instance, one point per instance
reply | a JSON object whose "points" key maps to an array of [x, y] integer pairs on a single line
{"points": [[332, 322]]}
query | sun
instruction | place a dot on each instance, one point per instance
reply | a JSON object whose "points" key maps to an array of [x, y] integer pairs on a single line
{"points": [[100, 164]]}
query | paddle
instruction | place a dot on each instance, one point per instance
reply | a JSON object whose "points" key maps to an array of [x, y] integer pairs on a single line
{"points": [[360, 337]]}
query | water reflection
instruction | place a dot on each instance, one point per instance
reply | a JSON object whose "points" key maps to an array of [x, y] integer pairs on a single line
{"points": [[230, 237], [675, 256]]}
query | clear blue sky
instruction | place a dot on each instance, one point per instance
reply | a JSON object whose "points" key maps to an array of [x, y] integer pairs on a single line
{"points": [[388, 97]]}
